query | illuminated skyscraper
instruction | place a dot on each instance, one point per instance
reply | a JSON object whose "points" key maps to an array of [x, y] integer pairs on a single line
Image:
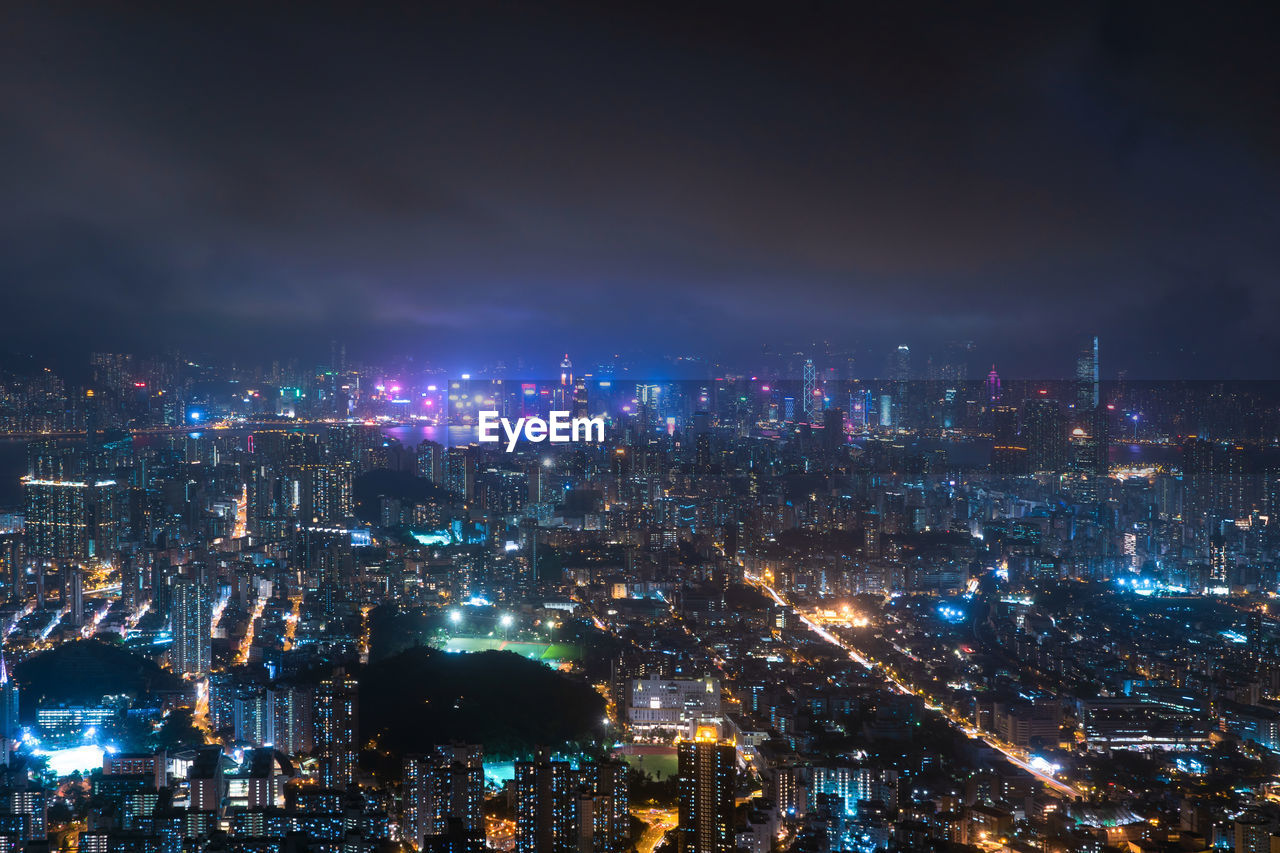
{"points": [[1009, 450], [1090, 444], [430, 462], [900, 368], [1044, 433], [191, 621], [13, 560], [562, 399], [68, 519], [294, 718], [1088, 391], [253, 716], [8, 703], [299, 478], [563, 809], [132, 591], [337, 726], [1089, 448], [809, 390], [73, 594], [544, 805], [1216, 480], [1217, 563], [706, 794], [603, 816], [993, 385], [70, 513], [444, 798]]}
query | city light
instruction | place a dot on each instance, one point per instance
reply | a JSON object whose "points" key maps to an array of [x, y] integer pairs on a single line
{"points": [[867, 440]]}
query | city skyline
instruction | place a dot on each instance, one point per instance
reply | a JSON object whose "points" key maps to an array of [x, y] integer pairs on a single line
{"points": [[503, 427]]}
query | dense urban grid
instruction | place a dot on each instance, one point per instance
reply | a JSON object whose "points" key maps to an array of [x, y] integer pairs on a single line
{"points": [[286, 609]]}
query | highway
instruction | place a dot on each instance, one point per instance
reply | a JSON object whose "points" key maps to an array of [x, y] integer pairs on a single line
{"points": [[1055, 784]]}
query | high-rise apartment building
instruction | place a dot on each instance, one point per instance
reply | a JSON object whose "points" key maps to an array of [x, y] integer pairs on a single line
{"points": [[337, 727], [707, 775], [444, 798], [191, 622]]}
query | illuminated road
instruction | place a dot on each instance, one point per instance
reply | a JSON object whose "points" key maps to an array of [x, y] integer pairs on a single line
{"points": [[291, 621], [1055, 784], [365, 631], [62, 612], [91, 627], [132, 620], [243, 655], [26, 611], [200, 714], [658, 823], [218, 610]]}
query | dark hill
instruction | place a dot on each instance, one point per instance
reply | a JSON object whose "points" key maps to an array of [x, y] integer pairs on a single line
{"points": [[421, 697], [402, 485], [86, 670]]}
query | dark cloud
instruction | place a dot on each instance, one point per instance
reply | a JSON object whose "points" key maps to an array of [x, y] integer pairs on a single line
{"points": [[458, 180]]}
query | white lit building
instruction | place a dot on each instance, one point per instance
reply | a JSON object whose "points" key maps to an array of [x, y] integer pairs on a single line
{"points": [[672, 703]]}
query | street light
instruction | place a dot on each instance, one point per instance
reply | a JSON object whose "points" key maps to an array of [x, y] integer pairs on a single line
{"points": [[455, 617]]}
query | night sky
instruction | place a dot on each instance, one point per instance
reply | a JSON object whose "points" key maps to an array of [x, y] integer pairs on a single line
{"points": [[471, 181]]}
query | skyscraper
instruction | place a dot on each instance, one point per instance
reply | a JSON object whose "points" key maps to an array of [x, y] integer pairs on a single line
{"points": [[71, 514], [13, 559], [191, 622], [1044, 432], [603, 814], [563, 396], [131, 583], [904, 400], [1088, 392], [563, 809], [73, 594], [1217, 564], [430, 462], [705, 790], [1091, 438], [69, 518], [294, 718], [337, 726], [444, 797], [544, 805], [833, 436], [810, 390], [900, 367], [8, 703], [993, 385]]}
